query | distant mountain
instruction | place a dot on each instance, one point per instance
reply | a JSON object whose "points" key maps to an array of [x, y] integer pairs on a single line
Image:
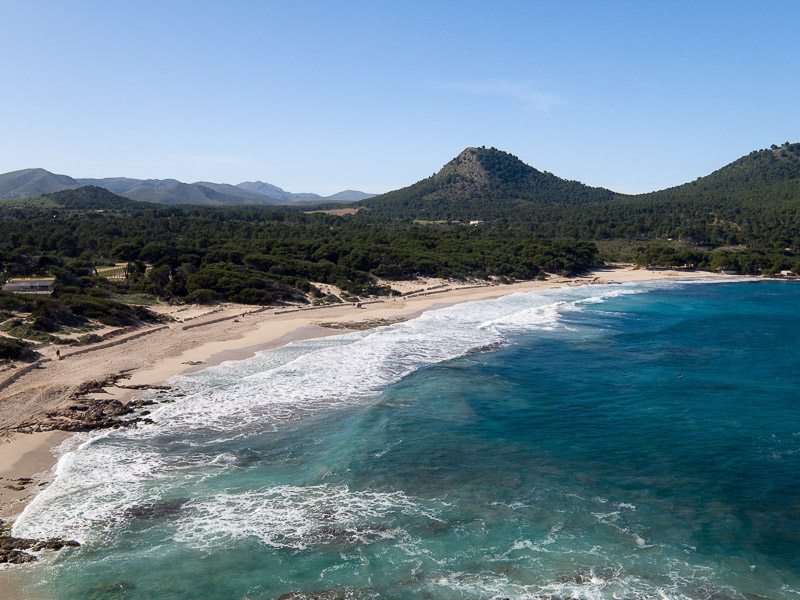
{"points": [[268, 190], [120, 185], [349, 196], [483, 183], [172, 191], [273, 191], [31, 183]]}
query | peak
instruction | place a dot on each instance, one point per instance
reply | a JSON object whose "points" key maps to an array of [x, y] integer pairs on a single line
{"points": [[466, 165], [482, 164]]}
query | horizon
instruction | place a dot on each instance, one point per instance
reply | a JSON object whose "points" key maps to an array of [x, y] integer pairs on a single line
{"points": [[320, 99]]}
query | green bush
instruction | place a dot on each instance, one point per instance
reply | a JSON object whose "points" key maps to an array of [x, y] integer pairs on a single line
{"points": [[15, 350]]}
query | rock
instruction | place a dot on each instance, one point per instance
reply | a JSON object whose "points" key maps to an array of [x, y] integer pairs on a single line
{"points": [[16, 557], [362, 325], [55, 544], [86, 414], [356, 535], [156, 510], [108, 591], [487, 348], [12, 548]]}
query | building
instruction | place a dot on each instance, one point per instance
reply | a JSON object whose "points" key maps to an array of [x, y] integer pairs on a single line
{"points": [[30, 285]]}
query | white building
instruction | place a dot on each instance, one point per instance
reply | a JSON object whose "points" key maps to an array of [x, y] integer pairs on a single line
{"points": [[30, 285]]}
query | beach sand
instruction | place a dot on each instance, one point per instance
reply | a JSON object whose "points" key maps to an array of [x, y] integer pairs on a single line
{"points": [[213, 336]]}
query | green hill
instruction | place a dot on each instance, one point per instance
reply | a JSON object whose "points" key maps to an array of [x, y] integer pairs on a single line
{"points": [[482, 183], [84, 198], [754, 201], [767, 175], [90, 197]]}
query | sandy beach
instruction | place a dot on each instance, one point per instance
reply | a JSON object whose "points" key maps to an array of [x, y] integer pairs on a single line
{"points": [[198, 337]]}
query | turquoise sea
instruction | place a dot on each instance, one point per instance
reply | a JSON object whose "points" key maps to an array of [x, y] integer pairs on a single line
{"points": [[636, 441]]}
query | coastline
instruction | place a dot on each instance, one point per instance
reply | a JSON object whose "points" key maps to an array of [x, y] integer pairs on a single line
{"points": [[32, 456]]}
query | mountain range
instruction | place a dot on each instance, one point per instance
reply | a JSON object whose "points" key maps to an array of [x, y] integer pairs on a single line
{"points": [[479, 183], [31, 183]]}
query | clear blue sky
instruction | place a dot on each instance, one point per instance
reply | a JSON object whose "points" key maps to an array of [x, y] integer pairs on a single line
{"points": [[323, 96]]}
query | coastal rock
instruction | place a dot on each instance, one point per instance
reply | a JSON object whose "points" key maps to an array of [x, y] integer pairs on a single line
{"points": [[16, 557], [144, 386], [86, 414], [156, 510], [12, 549], [362, 325], [107, 591], [487, 348], [350, 536], [54, 544]]}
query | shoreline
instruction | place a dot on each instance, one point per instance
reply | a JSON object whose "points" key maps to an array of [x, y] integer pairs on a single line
{"points": [[32, 456]]}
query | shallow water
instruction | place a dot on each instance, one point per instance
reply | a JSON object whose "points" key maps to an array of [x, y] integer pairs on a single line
{"points": [[629, 441]]}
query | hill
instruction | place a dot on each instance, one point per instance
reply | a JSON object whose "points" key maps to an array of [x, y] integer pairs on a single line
{"points": [[772, 174], [31, 183], [482, 183], [753, 202], [90, 197]]}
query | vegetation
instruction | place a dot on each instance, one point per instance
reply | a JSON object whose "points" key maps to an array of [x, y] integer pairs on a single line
{"points": [[253, 255], [744, 217], [484, 184], [11, 349]]}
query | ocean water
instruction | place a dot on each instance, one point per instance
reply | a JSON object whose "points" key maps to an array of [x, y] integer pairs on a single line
{"points": [[637, 441]]}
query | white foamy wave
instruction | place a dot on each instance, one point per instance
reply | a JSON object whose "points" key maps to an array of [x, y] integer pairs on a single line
{"points": [[297, 517], [320, 374], [547, 316], [105, 476], [609, 583]]}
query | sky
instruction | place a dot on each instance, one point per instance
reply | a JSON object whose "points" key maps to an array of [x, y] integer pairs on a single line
{"points": [[326, 96]]}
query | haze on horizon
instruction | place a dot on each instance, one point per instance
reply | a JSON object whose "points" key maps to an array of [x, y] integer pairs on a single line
{"points": [[318, 97]]}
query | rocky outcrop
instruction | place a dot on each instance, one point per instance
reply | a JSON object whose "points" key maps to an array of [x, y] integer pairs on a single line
{"points": [[18, 550], [156, 510], [362, 325], [85, 414]]}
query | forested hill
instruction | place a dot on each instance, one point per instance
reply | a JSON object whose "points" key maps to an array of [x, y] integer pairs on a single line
{"points": [[770, 175], [82, 199], [487, 184], [481, 184], [752, 203]]}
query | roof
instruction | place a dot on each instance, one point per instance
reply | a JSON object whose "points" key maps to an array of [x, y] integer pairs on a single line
{"points": [[32, 279], [30, 285]]}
